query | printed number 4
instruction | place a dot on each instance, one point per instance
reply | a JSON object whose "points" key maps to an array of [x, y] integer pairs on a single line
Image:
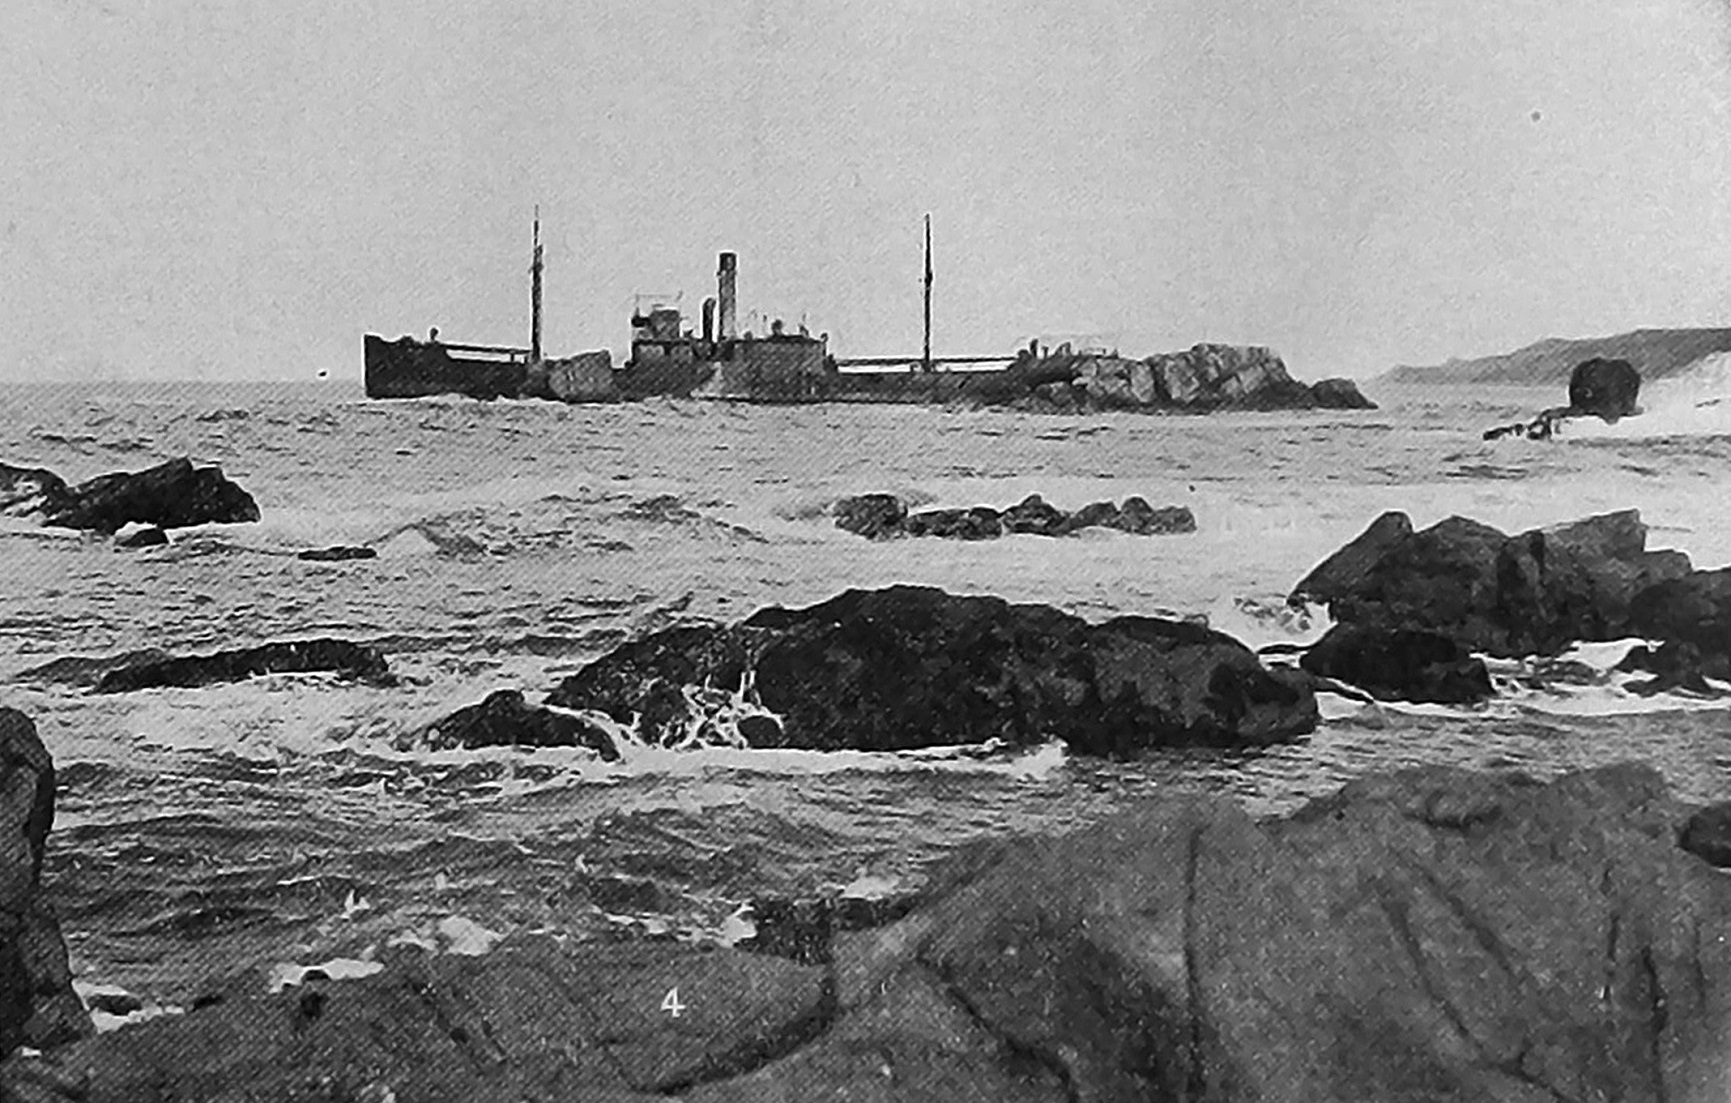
{"points": [[671, 1003]]}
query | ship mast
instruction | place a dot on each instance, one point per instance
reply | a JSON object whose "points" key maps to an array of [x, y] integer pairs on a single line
{"points": [[926, 358], [535, 295]]}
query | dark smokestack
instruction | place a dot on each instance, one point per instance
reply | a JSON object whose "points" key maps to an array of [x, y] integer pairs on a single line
{"points": [[725, 277], [708, 320]]}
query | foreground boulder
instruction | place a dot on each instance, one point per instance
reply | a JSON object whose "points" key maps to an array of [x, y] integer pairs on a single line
{"points": [[29, 490], [884, 516], [294, 657], [1433, 934], [907, 667], [1534, 593], [37, 1005], [1400, 665]]}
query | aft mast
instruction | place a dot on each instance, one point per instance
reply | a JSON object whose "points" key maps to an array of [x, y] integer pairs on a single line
{"points": [[535, 295], [926, 357]]}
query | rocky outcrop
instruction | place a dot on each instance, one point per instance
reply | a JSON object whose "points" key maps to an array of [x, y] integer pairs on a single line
{"points": [[1204, 377], [149, 536], [1434, 934], [170, 495], [505, 719], [884, 516], [1400, 665], [1605, 389], [294, 657], [907, 667], [1533, 593], [37, 1005]]}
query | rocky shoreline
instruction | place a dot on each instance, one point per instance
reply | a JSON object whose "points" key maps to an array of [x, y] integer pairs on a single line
{"points": [[1429, 933]]}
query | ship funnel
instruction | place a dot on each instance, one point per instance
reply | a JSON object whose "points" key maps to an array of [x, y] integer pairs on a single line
{"points": [[725, 276], [708, 320]]}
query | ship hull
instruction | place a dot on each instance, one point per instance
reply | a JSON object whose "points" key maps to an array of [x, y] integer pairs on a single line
{"points": [[407, 368]]}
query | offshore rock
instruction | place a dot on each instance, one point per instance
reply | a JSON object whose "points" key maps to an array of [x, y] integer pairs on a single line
{"points": [[147, 537], [907, 667], [883, 516], [294, 657], [1606, 389], [1677, 665], [338, 554], [37, 1004], [1400, 665], [1693, 608], [1340, 394], [1534, 593], [873, 516], [170, 495], [504, 719]]}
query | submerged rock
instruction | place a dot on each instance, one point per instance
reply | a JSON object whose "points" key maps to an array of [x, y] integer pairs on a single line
{"points": [[298, 656], [37, 1004], [880, 516], [1400, 665], [1432, 934], [337, 554], [1534, 593], [504, 719], [908, 667]]}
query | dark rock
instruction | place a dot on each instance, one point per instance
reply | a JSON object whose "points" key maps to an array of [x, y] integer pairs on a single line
{"points": [[114, 1003], [1094, 514], [1034, 514], [337, 554], [1137, 516], [911, 667], [978, 523], [1428, 935], [37, 1004], [27, 490], [1534, 593], [1692, 608], [1707, 835], [1400, 665], [1605, 388], [1340, 394], [874, 516], [504, 719], [170, 495], [147, 537], [298, 656], [1350, 568]]}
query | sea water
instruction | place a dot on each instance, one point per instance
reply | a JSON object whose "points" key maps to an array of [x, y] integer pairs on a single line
{"points": [[295, 819]]}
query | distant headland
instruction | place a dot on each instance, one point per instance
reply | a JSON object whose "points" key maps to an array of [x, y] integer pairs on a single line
{"points": [[1657, 352]]}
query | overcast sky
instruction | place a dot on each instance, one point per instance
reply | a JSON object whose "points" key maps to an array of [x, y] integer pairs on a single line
{"points": [[242, 188]]}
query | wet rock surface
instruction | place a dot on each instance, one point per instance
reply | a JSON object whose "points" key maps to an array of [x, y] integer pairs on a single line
{"points": [[884, 516], [1400, 664], [908, 666], [297, 656], [1429, 934], [506, 719], [37, 1005], [1533, 593], [170, 495]]}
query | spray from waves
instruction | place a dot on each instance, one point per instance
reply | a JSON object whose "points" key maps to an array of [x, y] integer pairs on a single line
{"points": [[1693, 403]]}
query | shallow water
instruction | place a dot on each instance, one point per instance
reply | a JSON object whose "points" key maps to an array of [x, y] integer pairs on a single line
{"points": [[202, 831]]}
